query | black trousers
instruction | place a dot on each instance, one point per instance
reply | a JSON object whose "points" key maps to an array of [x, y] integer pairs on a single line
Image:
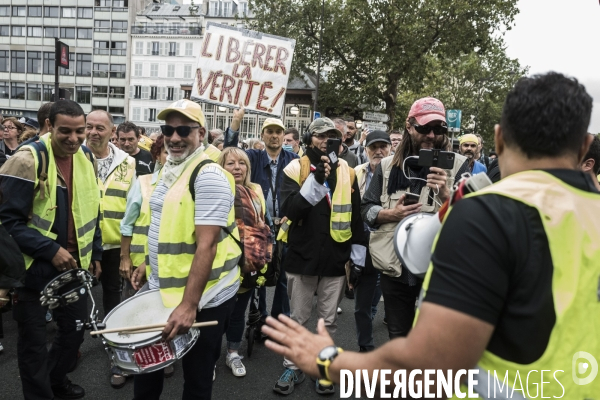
{"points": [[198, 364], [41, 369], [111, 280], [399, 300]]}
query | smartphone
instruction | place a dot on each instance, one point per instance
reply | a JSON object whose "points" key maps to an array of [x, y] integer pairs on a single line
{"points": [[410, 199], [436, 158], [333, 149]]}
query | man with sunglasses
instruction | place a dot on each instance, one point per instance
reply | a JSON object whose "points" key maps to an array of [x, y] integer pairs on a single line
{"points": [[321, 199], [469, 146], [191, 249], [386, 203]]}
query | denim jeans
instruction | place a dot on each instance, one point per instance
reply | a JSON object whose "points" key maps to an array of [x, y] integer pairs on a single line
{"points": [[237, 322], [198, 363]]}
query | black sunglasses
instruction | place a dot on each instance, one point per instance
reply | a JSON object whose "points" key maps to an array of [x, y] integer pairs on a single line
{"points": [[182, 131], [437, 129]]}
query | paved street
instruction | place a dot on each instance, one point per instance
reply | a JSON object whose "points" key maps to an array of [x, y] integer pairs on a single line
{"points": [[263, 368]]}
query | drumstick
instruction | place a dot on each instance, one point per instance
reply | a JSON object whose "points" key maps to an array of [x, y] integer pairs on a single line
{"points": [[3, 299], [154, 327], [196, 325]]}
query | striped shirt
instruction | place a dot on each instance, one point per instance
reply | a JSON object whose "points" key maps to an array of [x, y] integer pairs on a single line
{"points": [[213, 202]]}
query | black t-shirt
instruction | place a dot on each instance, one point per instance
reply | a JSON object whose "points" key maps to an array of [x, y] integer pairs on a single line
{"points": [[143, 161], [492, 261]]}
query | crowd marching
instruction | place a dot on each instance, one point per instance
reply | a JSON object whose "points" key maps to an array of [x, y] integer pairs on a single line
{"points": [[208, 222]]}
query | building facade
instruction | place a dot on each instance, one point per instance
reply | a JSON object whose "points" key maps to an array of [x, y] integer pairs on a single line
{"points": [[97, 34]]}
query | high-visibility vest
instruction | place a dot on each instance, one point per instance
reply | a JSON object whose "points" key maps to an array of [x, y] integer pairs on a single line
{"points": [[212, 152], [139, 241], [86, 202], [177, 238], [572, 225], [114, 200], [341, 202]]}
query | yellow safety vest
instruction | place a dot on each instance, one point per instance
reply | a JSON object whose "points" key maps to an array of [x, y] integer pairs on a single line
{"points": [[177, 239], [86, 201], [341, 209], [212, 152], [572, 224], [114, 200], [139, 242]]}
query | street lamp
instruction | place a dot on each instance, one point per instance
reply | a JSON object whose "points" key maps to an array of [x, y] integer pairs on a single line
{"points": [[222, 109], [319, 61], [358, 124], [295, 110]]}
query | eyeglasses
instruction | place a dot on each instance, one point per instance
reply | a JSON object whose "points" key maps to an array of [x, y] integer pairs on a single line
{"points": [[8, 128], [325, 136], [425, 129], [182, 130]]}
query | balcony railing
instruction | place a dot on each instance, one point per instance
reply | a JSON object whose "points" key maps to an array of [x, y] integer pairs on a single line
{"points": [[172, 53], [151, 30]]}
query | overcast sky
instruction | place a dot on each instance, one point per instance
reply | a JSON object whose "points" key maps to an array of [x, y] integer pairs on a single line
{"points": [[562, 36]]}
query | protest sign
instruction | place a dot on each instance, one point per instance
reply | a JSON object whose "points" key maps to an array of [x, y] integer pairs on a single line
{"points": [[237, 65]]}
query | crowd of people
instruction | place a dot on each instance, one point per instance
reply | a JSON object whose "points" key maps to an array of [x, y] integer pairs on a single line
{"points": [[209, 222]]}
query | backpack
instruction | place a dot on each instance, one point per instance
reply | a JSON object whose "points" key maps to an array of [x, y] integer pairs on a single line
{"points": [[42, 156], [256, 240]]}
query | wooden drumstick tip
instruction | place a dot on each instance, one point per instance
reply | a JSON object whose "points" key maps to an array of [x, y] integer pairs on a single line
{"points": [[148, 328], [3, 299]]}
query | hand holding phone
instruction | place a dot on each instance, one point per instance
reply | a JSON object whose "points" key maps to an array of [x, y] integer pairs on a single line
{"points": [[410, 199], [333, 149]]}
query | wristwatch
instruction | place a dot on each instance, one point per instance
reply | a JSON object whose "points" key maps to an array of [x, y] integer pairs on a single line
{"points": [[324, 360]]}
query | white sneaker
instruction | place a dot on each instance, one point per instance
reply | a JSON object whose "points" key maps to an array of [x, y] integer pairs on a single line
{"points": [[234, 361], [339, 310]]}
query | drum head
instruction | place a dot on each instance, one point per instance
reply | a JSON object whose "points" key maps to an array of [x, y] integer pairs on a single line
{"points": [[142, 309]]}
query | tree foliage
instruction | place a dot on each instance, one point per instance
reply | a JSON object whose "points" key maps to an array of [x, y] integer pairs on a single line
{"points": [[378, 51]]}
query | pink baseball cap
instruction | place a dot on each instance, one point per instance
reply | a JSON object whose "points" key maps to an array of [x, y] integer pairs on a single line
{"points": [[427, 109]]}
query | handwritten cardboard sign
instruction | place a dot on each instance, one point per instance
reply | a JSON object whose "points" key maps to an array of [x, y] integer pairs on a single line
{"points": [[237, 65]]}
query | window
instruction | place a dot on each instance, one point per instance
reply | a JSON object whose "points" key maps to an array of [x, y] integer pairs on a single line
{"points": [[68, 12], [67, 33], [171, 71], [117, 92], [34, 92], [154, 70], [170, 93], [151, 114], [4, 90], [49, 64], [34, 11], [84, 65], [34, 31], [5, 12], [103, 3], [118, 48], [18, 62], [34, 62], [71, 70], [19, 11], [51, 12], [116, 110], [139, 47], [118, 71], [172, 48], [83, 94], [243, 9], [119, 26], [153, 92], [187, 71], [226, 9], [136, 114], [137, 69], [3, 60], [47, 92], [50, 31], [18, 30], [100, 70], [85, 12], [155, 48], [120, 3], [100, 91], [189, 49], [101, 25], [138, 92], [17, 91], [101, 47], [213, 9], [144, 92], [4, 30], [84, 33]]}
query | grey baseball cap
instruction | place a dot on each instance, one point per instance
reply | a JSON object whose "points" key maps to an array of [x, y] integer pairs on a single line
{"points": [[322, 125]]}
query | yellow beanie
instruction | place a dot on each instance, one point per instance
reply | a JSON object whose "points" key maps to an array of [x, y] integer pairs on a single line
{"points": [[468, 138]]}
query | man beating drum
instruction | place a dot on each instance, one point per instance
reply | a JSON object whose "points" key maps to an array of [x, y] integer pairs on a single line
{"points": [[191, 249]]}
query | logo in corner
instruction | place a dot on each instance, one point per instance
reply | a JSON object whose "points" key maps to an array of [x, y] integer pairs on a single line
{"points": [[579, 368]]}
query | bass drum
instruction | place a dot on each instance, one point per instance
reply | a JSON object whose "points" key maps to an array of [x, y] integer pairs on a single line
{"points": [[144, 352]]}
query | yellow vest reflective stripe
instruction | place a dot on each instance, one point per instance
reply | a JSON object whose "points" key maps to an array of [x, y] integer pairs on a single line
{"points": [[177, 239], [341, 209], [86, 201], [212, 152], [114, 200], [570, 218], [139, 241]]}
